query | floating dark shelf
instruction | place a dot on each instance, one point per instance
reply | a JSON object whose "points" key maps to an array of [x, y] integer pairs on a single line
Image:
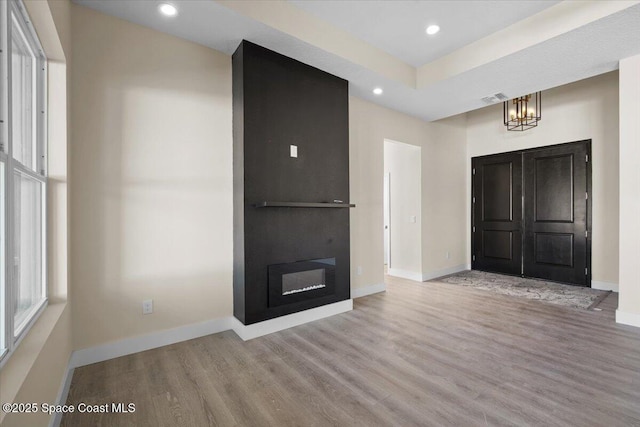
{"points": [[267, 204]]}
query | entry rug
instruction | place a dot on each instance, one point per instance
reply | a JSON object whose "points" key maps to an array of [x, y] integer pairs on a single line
{"points": [[554, 293]]}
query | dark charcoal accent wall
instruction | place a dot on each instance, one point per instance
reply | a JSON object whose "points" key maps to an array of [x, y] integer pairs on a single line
{"points": [[278, 102]]}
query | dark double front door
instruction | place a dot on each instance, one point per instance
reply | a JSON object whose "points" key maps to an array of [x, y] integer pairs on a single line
{"points": [[530, 213]]}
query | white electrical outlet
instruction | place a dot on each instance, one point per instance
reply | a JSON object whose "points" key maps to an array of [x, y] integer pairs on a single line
{"points": [[412, 219], [359, 271], [448, 255], [293, 150], [147, 306]]}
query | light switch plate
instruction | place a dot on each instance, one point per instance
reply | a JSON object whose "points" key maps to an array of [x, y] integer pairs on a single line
{"points": [[293, 150], [147, 306], [412, 219]]}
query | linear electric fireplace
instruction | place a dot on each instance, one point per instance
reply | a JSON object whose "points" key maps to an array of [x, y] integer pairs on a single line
{"points": [[291, 186], [297, 281]]}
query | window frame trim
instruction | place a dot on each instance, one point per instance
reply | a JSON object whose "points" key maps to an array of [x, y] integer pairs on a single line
{"points": [[13, 337]]}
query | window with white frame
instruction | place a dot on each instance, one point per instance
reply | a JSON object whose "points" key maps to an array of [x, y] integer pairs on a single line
{"points": [[23, 176]]}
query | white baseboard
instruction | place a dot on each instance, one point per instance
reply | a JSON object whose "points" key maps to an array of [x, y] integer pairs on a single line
{"points": [[430, 275], [132, 345], [111, 350], [405, 274], [61, 399], [248, 332], [368, 290], [626, 318], [604, 286]]}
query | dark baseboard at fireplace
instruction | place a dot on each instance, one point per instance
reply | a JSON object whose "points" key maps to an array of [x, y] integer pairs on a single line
{"points": [[291, 213]]}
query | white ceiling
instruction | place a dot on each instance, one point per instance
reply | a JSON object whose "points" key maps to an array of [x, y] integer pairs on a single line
{"points": [[554, 59], [398, 27]]}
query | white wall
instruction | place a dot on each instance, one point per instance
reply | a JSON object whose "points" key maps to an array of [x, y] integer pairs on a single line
{"points": [[403, 163], [443, 148], [629, 298], [444, 205], [369, 126], [151, 177], [587, 109]]}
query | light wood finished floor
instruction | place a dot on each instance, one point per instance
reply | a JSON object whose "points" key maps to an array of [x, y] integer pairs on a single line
{"points": [[419, 354]]}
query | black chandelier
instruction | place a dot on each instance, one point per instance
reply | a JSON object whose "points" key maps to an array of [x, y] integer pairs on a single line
{"points": [[523, 113]]}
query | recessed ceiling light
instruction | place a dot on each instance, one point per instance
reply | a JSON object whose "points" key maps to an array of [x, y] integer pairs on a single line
{"points": [[432, 29], [377, 91], [168, 9]]}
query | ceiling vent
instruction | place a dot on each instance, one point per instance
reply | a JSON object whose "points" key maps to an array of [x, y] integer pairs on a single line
{"points": [[493, 99]]}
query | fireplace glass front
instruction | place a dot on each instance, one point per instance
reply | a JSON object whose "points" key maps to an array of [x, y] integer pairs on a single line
{"points": [[297, 281]]}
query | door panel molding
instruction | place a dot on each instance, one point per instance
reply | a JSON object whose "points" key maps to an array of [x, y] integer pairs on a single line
{"points": [[540, 180], [493, 174], [493, 245], [544, 245]]}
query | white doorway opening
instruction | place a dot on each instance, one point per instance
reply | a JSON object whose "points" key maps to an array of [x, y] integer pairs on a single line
{"points": [[387, 216], [402, 204]]}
